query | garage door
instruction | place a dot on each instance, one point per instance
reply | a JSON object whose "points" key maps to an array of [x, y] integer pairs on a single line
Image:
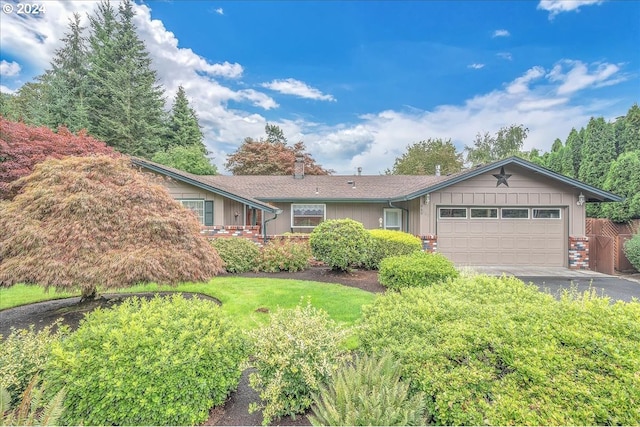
{"points": [[503, 235]]}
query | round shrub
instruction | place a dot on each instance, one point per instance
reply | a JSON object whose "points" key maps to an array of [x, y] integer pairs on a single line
{"points": [[386, 243], [368, 392], [294, 356], [632, 251], [340, 243], [166, 361], [495, 351], [239, 254], [417, 269], [284, 255]]}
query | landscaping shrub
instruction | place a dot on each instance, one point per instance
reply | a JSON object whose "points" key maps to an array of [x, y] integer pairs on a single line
{"points": [[632, 251], [368, 392], [294, 356], [166, 361], [340, 243], [284, 255], [494, 351], [23, 354], [417, 269], [239, 255], [386, 243]]}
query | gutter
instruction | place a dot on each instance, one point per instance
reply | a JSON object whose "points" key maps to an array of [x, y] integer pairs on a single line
{"points": [[264, 224], [406, 227]]}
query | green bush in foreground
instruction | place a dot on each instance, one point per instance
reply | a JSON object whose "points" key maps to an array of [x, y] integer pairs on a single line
{"points": [[23, 355], [632, 251], [166, 361], [294, 356], [386, 243], [417, 269], [494, 351], [239, 254], [340, 243], [368, 392], [32, 409], [284, 255]]}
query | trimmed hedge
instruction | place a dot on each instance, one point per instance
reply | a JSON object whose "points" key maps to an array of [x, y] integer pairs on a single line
{"points": [[494, 351], [284, 255], [166, 361], [386, 243], [632, 251], [417, 269], [340, 243], [239, 254]]}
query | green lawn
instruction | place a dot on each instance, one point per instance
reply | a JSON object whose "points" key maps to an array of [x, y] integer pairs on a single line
{"points": [[240, 297]]}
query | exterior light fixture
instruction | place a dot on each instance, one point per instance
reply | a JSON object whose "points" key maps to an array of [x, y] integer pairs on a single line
{"points": [[352, 183], [581, 199]]}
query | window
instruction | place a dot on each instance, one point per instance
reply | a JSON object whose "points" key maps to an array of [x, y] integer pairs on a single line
{"points": [[484, 213], [393, 219], [197, 206], [452, 212], [546, 213], [307, 215], [514, 213]]}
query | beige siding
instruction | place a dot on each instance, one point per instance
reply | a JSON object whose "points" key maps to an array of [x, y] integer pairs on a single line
{"points": [[182, 191]]}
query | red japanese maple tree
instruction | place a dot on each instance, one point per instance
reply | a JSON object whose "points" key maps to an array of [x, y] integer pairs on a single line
{"points": [[22, 147]]}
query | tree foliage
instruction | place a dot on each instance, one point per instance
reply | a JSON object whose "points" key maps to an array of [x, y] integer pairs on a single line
{"points": [[271, 156], [623, 178], [184, 129], [87, 222], [189, 159], [22, 147], [507, 142], [422, 157]]}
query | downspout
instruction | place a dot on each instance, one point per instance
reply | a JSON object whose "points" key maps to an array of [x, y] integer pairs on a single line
{"points": [[406, 226], [264, 224]]}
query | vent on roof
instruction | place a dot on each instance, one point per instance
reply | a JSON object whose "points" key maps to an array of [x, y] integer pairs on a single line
{"points": [[437, 170], [298, 167]]}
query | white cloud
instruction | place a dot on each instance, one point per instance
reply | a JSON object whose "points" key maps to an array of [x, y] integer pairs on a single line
{"points": [[555, 7], [576, 75], [475, 66], [521, 84], [505, 55], [219, 11], [501, 33], [297, 88], [5, 89], [8, 69]]}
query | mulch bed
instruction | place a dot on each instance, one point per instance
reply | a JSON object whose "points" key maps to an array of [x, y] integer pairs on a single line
{"points": [[235, 411]]}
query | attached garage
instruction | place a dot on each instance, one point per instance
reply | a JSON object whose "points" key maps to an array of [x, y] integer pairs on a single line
{"points": [[503, 235]]}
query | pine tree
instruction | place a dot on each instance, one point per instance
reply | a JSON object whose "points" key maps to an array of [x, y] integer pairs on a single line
{"points": [[68, 80], [126, 103], [184, 129]]}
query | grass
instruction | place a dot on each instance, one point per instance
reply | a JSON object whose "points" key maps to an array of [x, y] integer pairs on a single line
{"points": [[240, 297]]}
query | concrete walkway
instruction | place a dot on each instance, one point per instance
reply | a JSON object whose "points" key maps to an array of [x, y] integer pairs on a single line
{"points": [[529, 271]]}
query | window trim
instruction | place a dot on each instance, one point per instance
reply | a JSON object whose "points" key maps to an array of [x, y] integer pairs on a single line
{"points": [[483, 209], [518, 218], [200, 219], [466, 214], [293, 205], [533, 210], [384, 219]]}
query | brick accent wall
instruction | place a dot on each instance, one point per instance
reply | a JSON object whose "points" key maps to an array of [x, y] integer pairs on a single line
{"points": [[251, 232], [578, 253], [429, 243]]}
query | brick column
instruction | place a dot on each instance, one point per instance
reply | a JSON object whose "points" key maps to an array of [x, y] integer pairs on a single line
{"points": [[429, 243], [578, 253]]}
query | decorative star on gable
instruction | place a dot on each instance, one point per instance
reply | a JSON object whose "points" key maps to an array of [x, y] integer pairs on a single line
{"points": [[502, 177]]}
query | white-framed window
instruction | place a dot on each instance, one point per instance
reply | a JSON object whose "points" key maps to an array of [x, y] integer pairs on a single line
{"points": [[392, 219], [484, 212], [196, 206], [452, 212], [514, 213], [546, 213], [307, 215]]}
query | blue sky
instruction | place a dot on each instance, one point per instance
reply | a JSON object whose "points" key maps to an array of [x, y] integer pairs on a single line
{"points": [[359, 81]]}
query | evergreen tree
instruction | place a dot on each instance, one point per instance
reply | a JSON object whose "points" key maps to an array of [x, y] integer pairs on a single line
{"points": [[573, 153], [68, 80], [184, 129], [31, 102], [126, 103], [631, 132], [623, 179]]}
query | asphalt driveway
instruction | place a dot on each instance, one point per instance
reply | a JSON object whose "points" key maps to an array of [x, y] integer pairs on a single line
{"points": [[555, 280]]}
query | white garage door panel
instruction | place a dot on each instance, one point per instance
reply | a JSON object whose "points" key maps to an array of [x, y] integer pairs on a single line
{"points": [[494, 241]]}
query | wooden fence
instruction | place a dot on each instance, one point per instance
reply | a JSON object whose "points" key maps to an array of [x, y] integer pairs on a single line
{"points": [[606, 242]]}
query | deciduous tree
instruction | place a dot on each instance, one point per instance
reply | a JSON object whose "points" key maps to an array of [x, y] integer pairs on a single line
{"points": [[88, 223], [507, 142], [422, 157], [189, 159], [22, 147]]}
